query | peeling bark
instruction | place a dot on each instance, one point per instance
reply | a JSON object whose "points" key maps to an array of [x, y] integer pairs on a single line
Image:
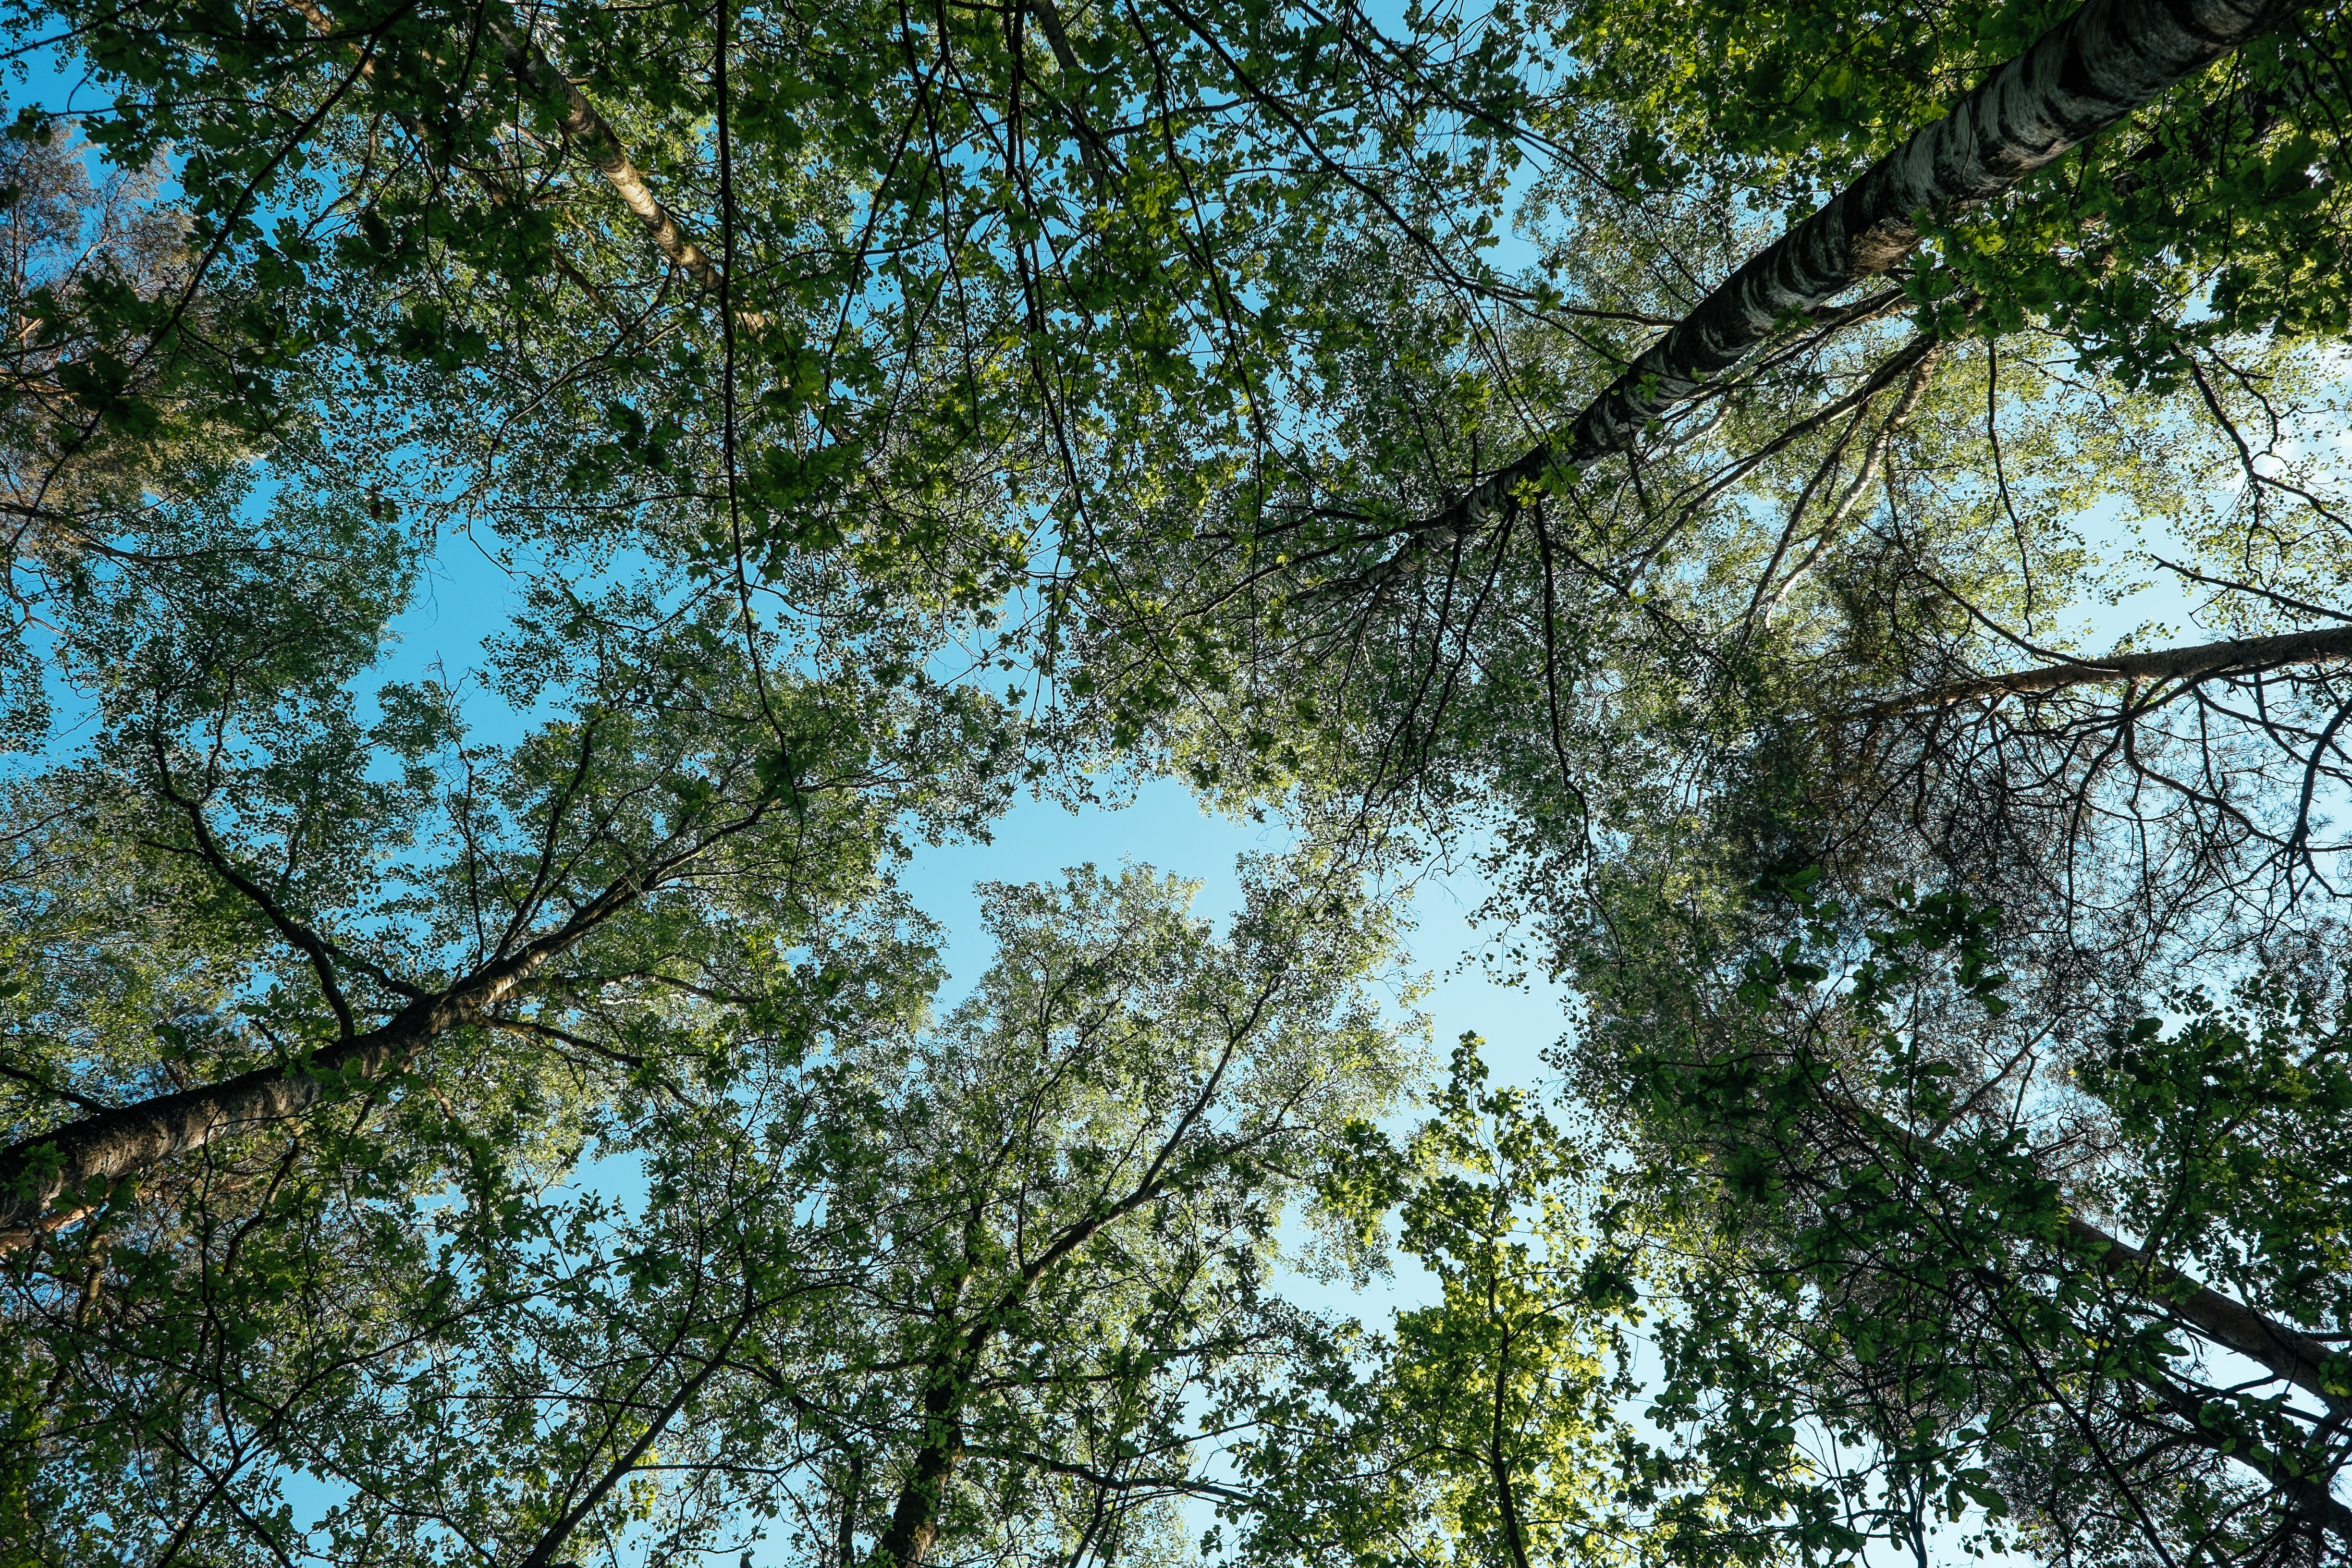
{"points": [[2107, 59]]}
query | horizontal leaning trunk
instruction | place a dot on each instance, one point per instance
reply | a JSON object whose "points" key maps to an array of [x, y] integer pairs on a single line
{"points": [[2201, 661], [2107, 59], [102, 1149]]}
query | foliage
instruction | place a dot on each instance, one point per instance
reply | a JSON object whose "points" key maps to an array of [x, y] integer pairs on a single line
{"points": [[864, 1267], [1931, 1192], [494, 1112]]}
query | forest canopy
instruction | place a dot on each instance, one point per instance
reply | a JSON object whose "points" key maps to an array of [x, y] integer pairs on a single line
{"points": [[1842, 516]]}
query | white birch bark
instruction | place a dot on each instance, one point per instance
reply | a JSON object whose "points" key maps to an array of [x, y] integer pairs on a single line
{"points": [[2107, 59]]}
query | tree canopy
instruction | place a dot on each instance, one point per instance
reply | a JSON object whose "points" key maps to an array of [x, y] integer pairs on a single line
{"points": [[1842, 515]]}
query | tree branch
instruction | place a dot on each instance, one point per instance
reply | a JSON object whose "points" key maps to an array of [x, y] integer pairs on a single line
{"points": [[2107, 59]]}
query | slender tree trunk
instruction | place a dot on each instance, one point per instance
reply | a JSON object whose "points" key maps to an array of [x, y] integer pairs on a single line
{"points": [[915, 1521], [845, 1548], [584, 128], [588, 130], [2287, 1352], [544, 1555], [2083, 76], [102, 1149], [1497, 1466], [2194, 663]]}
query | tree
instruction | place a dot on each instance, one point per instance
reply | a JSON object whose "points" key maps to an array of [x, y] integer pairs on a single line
{"points": [[1780, 598], [1824, 1259], [134, 426], [1149, 363], [757, 425], [1489, 1424], [284, 973], [1932, 1193], [1788, 633], [921, 275], [943, 1288]]}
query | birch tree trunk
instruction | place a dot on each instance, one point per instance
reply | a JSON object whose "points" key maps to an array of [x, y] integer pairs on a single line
{"points": [[2107, 59], [584, 127], [588, 130]]}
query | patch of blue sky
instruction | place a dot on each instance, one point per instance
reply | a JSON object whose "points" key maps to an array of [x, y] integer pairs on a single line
{"points": [[468, 595]]}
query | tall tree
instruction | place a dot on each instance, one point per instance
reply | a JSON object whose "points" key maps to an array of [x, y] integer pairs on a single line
{"points": [[2058, 1271], [924, 1290]]}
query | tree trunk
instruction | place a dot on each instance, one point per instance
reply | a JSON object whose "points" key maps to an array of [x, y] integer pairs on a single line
{"points": [[584, 127], [544, 1555], [587, 130], [2287, 1352], [102, 1149], [915, 1521], [2105, 60], [2195, 663], [2293, 1355]]}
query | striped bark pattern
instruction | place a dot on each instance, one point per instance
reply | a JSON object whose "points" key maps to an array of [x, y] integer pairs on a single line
{"points": [[2109, 59]]}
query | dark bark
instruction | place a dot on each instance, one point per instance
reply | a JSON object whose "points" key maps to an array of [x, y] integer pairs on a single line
{"points": [[2201, 661], [101, 1150], [2107, 59], [845, 1548], [1505, 1495], [915, 1521]]}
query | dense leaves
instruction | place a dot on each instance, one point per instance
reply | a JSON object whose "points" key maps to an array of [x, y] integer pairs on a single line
{"points": [[492, 1108]]}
